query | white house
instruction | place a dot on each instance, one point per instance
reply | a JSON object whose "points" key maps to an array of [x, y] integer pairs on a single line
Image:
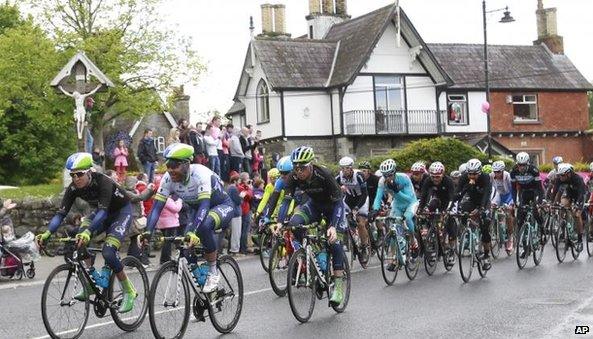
{"points": [[356, 86]]}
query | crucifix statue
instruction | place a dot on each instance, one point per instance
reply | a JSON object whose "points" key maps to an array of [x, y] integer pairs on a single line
{"points": [[80, 110]]}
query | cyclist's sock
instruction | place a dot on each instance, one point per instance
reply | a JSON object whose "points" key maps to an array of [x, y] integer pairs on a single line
{"points": [[212, 269], [127, 286]]}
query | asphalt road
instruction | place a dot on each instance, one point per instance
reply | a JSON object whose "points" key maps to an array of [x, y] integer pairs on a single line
{"points": [[545, 301]]}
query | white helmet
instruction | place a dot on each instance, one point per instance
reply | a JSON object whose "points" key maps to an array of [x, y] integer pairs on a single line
{"points": [[388, 167], [436, 168], [591, 167], [557, 160], [463, 168], [346, 162], [418, 166], [474, 166], [522, 158], [455, 174], [564, 168], [498, 166]]}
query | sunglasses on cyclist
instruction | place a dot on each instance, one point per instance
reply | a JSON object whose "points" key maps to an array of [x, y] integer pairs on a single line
{"points": [[174, 164], [300, 168], [285, 173], [77, 174]]}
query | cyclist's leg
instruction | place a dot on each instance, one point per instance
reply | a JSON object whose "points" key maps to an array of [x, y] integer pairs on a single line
{"points": [[409, 213], [303, 215]]}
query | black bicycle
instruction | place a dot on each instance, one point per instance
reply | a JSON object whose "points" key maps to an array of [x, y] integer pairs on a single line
{"points": [[169, 298], [66, 317], [530, 240]]}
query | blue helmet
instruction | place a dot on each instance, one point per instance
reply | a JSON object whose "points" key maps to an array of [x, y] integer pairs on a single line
{"points": [[80, 161], [557, 160], [284, 164]]}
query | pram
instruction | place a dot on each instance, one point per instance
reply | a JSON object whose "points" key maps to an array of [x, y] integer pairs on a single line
{"points": [[17, 254]]}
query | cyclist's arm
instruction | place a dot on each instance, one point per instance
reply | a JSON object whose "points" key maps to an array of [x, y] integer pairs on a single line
{"points": [[487, 192], [67, 202], [362, 198], [264, 200], [288, 196], [581, 189], [424, 194], [379, 195], [406, 193], [539, 190]]}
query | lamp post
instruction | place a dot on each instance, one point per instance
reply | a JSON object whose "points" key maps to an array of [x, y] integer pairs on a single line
{"points": [[505, 19]]}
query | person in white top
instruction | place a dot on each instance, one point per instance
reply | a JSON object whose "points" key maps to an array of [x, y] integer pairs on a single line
{"points": [[502, 195], [211, 149]]}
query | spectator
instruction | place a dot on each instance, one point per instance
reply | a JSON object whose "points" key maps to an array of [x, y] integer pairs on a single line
{"points": [[169, 225], [246, 193], [225, 157], [211, 144], [236, 152], [147, 154], [199, 144], [120, 153], [274, 159], [173, 136], [183, 126], [98, 157], [256, 162], [258, 192], [233, 192], [140, 186], [218, 136], [246, 147]]}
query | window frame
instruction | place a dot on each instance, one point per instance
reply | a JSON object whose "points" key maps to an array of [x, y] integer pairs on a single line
{"points": [[527, 103], [159, 144], [262, 117], [398, 86], [466, 101]]}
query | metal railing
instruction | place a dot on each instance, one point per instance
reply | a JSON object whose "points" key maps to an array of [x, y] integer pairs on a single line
{"points": [[370, 122]]}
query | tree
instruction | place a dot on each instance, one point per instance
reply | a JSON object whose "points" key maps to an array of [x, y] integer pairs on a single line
{"points": [[33, 123], [127, 41]]}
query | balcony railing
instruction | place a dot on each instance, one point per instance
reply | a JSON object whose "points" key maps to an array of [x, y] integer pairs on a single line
{"points": [[368, 122]]}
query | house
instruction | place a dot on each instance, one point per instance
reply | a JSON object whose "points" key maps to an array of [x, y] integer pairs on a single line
{"points": [[365, 85]]}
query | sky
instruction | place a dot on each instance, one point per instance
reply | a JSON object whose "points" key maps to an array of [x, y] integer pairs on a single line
{"points": [[220, 32]]}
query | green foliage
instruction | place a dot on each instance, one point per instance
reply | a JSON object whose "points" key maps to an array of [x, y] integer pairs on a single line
{"points": [[34, 128], [546, 168], [9, 17]]}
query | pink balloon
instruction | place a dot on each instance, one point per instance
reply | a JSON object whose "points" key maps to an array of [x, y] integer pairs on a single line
{"points": [[486, 107]]}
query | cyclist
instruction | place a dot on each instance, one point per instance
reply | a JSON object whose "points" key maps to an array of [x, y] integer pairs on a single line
{"points": [[572, 196], [112, 215], [502, 195], [210, 207], [455, 176], [325, 200], [527, 187], [404, 202], [418, 176], [473, 195], [549, 182], [371, 180], [436, 194]]}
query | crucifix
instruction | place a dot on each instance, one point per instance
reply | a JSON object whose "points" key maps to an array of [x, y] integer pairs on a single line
{"points": [[80, 110]]}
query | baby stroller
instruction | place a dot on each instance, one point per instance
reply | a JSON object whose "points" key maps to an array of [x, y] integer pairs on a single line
{"points": [[16, 254]]}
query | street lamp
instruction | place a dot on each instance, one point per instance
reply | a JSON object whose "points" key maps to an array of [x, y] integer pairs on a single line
{"points": [[505, 19]]}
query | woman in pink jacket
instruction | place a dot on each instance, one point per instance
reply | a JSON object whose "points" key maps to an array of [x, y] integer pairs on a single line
{"points": [[120, 153], [169, 224]]}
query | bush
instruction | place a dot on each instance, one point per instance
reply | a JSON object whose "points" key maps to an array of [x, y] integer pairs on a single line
{"points": [[546, 167]]}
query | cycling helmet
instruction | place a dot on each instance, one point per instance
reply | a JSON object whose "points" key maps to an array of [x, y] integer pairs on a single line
{"points": [[591, 167], [80, 161], [455, 174], [564, 168], [487, 169], [346, 162], [522, 158], [302, 155], [498, 166], [274, 173], [418, 167], [364, 165], [557, 160], [436, 168], [179, 152], [463, 168], [284, 164], [474, 166], [388, 167]]}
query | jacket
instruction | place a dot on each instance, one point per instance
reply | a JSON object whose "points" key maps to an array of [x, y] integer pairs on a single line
{"points": [[170, 215], [233, 192], [235, 148], [211, 145], [246, 203], [121, 156], [147, 151]]}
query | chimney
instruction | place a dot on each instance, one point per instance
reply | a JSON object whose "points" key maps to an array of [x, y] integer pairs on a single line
{"points": [[328, 7], [547, 29], [267, 19], [279, 20], [341, 9], [314, 7]]}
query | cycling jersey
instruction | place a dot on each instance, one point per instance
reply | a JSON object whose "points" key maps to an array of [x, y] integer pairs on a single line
{"points": [[356, 190], [478, 191], [404, 201], [443, 192], [502, 189], [527, 184], [575, 187], [322, 190], [418, 184], [266, 202], [372, 184]]}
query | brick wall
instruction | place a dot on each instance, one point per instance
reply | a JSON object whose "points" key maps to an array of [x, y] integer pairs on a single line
{"points": [[571, 148], [558, 111]]}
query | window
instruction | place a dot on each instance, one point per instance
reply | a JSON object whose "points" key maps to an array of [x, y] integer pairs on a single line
{"points": [[159, 144], [263, 102], [525, 107], [388, 93], [242, 120], [310, 31], [457, 109]]}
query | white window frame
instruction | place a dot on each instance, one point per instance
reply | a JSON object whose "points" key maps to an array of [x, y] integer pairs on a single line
{"points": [[389, 86], [159, 144], [525, 101], [263, 102], [459, 98]]}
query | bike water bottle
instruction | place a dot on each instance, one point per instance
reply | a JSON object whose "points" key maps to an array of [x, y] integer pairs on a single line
{"points": [[96, 276], [322, 260], [105, 275], [201, 273]]}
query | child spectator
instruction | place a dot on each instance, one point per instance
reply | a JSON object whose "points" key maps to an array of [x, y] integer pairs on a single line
{"points": [[246, 193], [120, 153], [169, 225]]}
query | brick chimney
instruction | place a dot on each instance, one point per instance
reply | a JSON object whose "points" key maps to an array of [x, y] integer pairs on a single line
{"points": [[547, 29], [279, 19], [323, 14], [314, 7], [267, 22], [328, 7], [341, 7], [273, 20]]}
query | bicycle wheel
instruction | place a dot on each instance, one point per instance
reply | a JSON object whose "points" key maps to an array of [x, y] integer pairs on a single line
{"points": [[448, 253], [279, 268], [554, 230], [300, 286], [589, 238], [346, 281], [431, 251], [60, 311], [348, 248], [265, 246], [225, 309], [137, 276], [390, 254], [466, 255], [561, 242], [538, 248], [496, 242], [169, 302], [523, 246], [412, 259]]}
